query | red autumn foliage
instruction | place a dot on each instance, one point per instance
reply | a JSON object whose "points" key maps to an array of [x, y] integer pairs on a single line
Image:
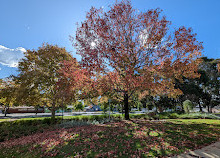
{"points": [[127, 51]]}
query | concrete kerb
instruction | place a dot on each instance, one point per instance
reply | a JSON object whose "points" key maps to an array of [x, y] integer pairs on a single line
{"points": [[211, 151]]}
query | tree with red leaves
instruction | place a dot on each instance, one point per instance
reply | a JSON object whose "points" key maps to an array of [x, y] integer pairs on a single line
{"points": [[73, 78], [128, 51]]}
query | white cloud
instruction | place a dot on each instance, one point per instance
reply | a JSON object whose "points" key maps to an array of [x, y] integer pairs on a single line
{"points": [[10, 57]]}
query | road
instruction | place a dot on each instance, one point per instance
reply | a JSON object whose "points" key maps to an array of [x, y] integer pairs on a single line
{"points": [[34, 115]]}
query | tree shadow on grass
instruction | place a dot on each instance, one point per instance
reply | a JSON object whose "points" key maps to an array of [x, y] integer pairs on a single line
{"points": [[134, 138], [137, 138]]}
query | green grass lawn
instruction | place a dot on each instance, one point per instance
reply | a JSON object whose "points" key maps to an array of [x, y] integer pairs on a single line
{"points": [[3, 120], [135, 138], [196, 121]]}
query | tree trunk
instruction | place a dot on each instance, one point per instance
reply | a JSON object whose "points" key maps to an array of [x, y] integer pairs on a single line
{"points": [[160, 109], [53, 110], [126, 106], [208, 108], [6, 110], [122, 109], [36, 110], [156, 109], [200, 107]]}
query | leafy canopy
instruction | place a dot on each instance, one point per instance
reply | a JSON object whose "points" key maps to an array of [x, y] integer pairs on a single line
{"points": [[129, 50]]}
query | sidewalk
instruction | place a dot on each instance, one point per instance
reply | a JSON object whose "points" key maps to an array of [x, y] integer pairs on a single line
{"points": [[211, 151]]}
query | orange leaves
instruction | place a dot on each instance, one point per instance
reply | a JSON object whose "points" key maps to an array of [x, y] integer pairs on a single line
{"points": [[74, 74], [186, 46]]}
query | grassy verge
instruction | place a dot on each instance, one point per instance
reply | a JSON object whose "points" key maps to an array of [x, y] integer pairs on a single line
{"points": [[135, 138], [196, 121], [3, 120]]}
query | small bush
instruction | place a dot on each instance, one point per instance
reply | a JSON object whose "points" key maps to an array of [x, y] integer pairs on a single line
{"points": [[198, 116], [153, 115], [173, 115], [137, 116], [187, 106], [73, 123]]}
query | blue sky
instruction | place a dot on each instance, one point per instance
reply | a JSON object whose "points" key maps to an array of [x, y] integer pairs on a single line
{"points": [[26, 24]]}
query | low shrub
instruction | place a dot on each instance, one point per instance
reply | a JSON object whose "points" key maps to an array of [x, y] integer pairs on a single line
{"points": [[73, 123], [198, 116], [174, 115], [138, 116], [168, 115], [153, 115], [187, 106]]}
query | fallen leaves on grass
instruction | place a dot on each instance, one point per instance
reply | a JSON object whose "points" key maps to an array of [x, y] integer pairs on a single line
{"points": [[136, 138]]}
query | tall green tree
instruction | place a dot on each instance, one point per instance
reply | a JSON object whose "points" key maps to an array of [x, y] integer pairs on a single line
{"points": [[8, 93], [205, 89], [78, 106], [40, 78], [210, 80]]}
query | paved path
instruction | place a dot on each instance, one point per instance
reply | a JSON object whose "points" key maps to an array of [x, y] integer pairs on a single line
{"points": [[211, 151]]}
